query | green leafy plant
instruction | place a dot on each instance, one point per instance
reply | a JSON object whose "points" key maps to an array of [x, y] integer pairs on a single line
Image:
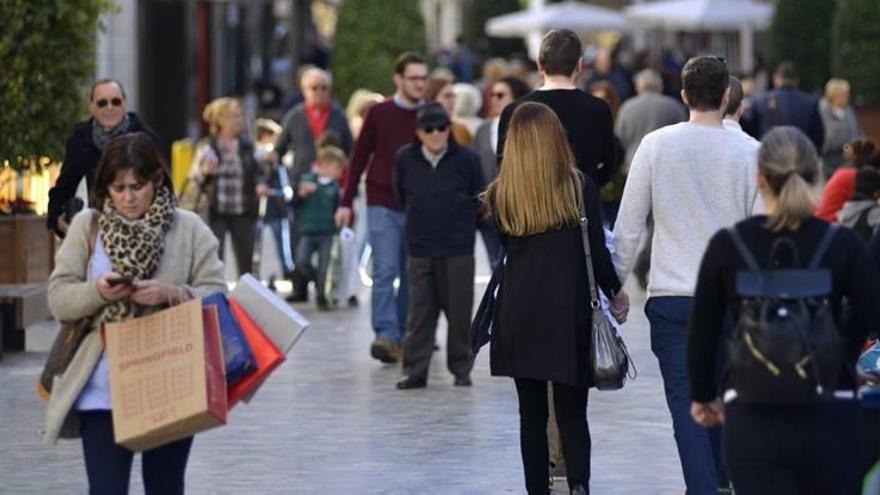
{"points": [[370, 34], [856, 45], [801, 33], [47, 54]]}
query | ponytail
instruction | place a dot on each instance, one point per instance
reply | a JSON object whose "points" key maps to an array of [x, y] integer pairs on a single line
{"points": [[795, 204], [788, 161]]}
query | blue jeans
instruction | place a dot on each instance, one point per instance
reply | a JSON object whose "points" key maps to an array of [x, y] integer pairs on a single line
{"points": [[699, 449], [283, 242], [108, 465], [308, 246], [389, 309]]}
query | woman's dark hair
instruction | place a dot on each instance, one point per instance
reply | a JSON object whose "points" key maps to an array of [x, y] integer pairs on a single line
{"points": [[518, 88], [136, 151], [861, 152]]}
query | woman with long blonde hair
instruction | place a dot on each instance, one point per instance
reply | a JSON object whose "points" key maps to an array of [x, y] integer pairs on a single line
{"points": [[543, 314]]}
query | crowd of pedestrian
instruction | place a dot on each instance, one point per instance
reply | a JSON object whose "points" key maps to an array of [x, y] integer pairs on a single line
{"points": [[685, 185]]}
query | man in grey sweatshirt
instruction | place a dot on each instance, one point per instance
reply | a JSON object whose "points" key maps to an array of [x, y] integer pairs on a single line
{"points": [[695, 178]]}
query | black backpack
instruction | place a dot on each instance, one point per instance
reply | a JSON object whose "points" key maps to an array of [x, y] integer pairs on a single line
{"points": [[786, 348]]}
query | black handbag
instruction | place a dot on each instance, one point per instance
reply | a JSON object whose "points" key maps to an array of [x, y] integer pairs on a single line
{"points": [[481, 326], [610, 362]]}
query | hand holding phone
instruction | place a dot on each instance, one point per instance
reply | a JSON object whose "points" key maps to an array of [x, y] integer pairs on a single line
{"points": [[119, 280]]}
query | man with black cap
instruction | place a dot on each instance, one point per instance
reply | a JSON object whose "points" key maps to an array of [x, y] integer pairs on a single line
{"points": [[437, 182]]}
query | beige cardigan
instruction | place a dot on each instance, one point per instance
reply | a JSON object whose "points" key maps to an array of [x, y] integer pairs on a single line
{"points": [[189, 260]]}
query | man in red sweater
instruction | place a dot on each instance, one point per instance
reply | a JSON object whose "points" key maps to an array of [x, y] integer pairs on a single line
{"points": [[388, 126]]}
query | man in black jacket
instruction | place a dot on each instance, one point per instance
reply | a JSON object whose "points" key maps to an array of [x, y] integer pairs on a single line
{"points": [[437, 183], [586, 119], [787, 105], [84, 147]]}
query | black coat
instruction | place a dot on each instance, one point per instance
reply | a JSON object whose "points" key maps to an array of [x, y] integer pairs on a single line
{"points": [[81, 159], [441, 204], [543, 308]]}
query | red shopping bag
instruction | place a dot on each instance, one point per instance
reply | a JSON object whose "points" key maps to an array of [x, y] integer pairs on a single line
{"points": [[266, 354]]}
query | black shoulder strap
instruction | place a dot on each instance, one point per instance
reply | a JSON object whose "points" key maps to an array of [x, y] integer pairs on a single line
{"points": [[823, 247], [743, 249]]}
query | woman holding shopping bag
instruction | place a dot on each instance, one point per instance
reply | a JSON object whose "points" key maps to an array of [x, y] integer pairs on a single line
{"points": [[543, 313], [133, 254]]}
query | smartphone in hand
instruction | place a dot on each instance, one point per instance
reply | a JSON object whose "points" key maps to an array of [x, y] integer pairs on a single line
{"points": [[114, 281]]}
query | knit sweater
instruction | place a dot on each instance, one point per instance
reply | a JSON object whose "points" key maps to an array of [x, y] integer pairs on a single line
{"points": [[189, 261], [387, 127], [695, 179]]}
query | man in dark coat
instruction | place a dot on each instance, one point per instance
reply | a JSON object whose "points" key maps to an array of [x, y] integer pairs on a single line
{"points": [[786, 105], [84, 147]]}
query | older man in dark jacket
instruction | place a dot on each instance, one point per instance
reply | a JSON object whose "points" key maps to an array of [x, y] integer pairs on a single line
{"points": [[308, 121], [84, 147]]}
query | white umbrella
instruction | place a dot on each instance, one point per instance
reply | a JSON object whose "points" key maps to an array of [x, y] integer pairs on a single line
{"points": [[578, 17], [693, 15]]}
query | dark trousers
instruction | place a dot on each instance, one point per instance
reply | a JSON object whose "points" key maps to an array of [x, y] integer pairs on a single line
{"points": [[243, 231], [793, 450], [108, 465], [570, 405], [308, 246], [699, 449], [439, 284]]}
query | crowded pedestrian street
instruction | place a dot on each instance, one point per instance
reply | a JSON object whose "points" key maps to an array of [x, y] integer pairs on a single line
{"points": [[329, 420]]}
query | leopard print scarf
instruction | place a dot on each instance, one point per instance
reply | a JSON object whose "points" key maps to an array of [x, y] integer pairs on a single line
{"points": [[134, 248]]}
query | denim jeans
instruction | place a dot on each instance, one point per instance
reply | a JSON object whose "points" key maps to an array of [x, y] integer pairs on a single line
{"points": [[108, 465], [389, 308], [699, 449], [282, 234], [308, 246]]}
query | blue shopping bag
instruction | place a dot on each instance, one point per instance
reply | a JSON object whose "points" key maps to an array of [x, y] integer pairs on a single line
{"points": [[237, 354]]}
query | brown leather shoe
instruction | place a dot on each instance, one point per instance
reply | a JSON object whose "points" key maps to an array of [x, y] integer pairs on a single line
{"points": [[385, 350]]}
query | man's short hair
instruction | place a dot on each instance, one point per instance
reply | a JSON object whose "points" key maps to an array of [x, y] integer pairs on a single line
{"points": [[106, 80], [649, 80], [787, 72], [406, 59], [560, 51], [704, 80], [313, 70], [736, 96]]}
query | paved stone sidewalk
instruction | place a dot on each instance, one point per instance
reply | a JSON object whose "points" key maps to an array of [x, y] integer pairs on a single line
{"points": [[330, 421]]}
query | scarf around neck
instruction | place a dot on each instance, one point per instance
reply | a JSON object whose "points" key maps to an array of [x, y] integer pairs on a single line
{"points": [[134, 248], [102, 137]]}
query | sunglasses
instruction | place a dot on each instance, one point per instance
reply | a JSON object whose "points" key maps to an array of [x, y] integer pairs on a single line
{"points": [[116, 102], [499, 95], [318, 88], [428, 129]]}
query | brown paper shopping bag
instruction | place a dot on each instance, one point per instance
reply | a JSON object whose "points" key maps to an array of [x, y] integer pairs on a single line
{"points": [[166, 375]]}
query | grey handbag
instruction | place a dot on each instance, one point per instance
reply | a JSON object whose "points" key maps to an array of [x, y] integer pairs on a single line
{"points": [[610, 362]]}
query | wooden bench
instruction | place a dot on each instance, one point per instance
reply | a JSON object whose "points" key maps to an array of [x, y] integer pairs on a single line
{"points": [[20, 305]]}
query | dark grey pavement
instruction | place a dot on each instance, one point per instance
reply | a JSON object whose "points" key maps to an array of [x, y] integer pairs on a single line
{"points": [[330, 421]]}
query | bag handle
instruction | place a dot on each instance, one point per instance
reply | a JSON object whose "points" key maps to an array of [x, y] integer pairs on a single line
{"points": [[588, 255], [743, 249], [783, 242], [93, 231], [823, 246]]}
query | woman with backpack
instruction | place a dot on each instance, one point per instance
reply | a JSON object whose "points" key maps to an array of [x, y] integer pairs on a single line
{"points": [[788, 429]]}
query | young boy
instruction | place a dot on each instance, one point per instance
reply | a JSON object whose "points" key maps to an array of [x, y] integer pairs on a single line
{"points": [[314, 207], [437, 182], [276, 214]]}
